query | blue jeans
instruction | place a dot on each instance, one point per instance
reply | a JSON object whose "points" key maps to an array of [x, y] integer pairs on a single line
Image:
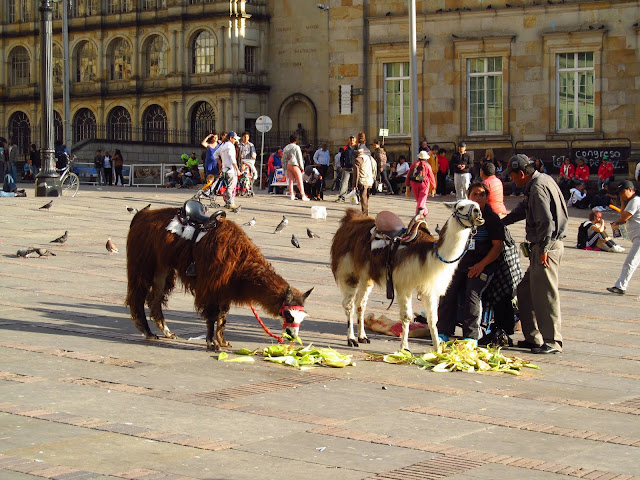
{"points": [[9, 183]]}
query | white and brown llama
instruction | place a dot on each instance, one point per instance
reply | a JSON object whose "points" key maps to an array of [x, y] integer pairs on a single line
{"points": [[358, 261]]}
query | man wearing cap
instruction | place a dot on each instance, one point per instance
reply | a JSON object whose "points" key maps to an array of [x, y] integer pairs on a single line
{"points": [[460, 165], [227, 155], [605, 172], [546, 217], [364, 173], [346, 168], [630, 215], [248, 154]]}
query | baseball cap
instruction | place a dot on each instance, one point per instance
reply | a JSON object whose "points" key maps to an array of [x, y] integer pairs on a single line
{"points": [[625, 184], [352, 136], [462, 144], [234, 135], [605, 157], [517, 163]]}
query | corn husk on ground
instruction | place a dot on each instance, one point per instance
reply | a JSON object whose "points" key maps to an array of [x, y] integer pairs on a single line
{"points": [[302, 358], [458, 356]]}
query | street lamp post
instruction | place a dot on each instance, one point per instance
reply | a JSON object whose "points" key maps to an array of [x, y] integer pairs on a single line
{"points": [[414, 79], [47, 181]]}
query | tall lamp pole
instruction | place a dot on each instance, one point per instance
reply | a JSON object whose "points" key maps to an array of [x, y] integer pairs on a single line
{"points": [[66, 4], [47, 181], [413, 79]]}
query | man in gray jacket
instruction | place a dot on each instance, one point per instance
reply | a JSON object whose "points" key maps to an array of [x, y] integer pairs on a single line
{"points": [[546, 217], [12, 160]]}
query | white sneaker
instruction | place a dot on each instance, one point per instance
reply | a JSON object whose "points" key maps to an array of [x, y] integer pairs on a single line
{"points": [[618, 249], [293, 197], [305, 199]]}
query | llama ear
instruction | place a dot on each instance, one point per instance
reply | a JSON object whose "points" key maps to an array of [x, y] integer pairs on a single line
{"points": [[307, 293], [288, 296], [450, 205]]}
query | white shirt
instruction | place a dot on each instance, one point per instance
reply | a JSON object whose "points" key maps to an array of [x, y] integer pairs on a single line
{"points": [[227, 153], [402, 169], [633, 224], [321, 157], [576, 195]]}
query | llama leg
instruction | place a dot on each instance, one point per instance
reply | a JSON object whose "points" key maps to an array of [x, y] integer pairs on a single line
{"points": [[135, 299], [348, 288], [406, 316], [220, 323], [430, 302], [362, 295], [162, 285], [211, 314]]}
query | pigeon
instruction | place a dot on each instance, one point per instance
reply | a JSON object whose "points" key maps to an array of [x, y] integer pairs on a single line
{"points": [[43, 252], [438, 228], [111, 247], [131, 209], [251, 222], [310, 234], [47, 206], [61, 239], [24, 252], [294, 241], [237, 209], [146, 208], [281, 225]]}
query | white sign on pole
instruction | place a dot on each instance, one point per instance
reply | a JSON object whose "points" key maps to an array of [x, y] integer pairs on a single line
{"points": [[263, 124], [345, 99], [384, 132]]}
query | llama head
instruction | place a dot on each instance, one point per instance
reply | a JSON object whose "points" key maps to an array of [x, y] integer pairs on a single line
{"points": [[466, 212], [292, 310]]}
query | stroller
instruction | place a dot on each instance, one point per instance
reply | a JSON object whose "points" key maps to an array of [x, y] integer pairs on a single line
{"points": [[213, 190], [245, 182]]}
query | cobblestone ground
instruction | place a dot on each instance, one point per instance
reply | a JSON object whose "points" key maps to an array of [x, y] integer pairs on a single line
{"points": [[83, 395]]}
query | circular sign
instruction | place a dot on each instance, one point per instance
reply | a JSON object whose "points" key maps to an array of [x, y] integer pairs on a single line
{"points": [[263, 124]]}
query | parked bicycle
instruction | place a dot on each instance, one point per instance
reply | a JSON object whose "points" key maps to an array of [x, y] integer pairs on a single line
{"points": [[70, 181]]}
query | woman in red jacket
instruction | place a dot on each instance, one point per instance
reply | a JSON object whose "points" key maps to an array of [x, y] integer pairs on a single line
{"points": [[420, 178]]}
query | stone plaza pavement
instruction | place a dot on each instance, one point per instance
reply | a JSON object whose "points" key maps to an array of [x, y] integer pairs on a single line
{"points": [[83, 395]]}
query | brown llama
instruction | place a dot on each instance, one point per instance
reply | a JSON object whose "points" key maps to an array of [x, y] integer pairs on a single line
{"points": [[230, 269], [358, 262]]}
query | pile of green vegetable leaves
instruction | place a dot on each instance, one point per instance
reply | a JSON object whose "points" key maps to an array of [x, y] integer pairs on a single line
{"points": [[288, 354], [460, 356]]}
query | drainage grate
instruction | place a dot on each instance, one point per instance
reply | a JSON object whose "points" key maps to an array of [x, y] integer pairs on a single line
{"points": [[439, 467]]}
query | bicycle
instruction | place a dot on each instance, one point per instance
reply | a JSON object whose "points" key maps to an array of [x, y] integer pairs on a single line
{"points": [[69, 181]]}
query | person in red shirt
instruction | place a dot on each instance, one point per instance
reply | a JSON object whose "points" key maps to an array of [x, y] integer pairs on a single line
{"points": [[582, 172], [443, 169], [605, 172], [495, 198], [567, 173]]}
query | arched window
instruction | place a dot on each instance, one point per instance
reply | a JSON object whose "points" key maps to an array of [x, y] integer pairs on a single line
{"points": [[58, 65], [156, 55], [84, 125], [154, 124], [86, 62], [58, 127], [119, 124], [120, 59], [202, 53], [20, 130], [19, 61], [203, 122]]}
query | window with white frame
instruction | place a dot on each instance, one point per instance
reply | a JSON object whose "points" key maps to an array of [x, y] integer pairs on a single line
{"points": [[484, 95], [202, 59], [397, 98], [575, 90], [19, 63], [12, 11], [250, 59]]}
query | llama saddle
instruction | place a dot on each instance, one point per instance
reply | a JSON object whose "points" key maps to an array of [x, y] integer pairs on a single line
{"points": [[389, 230], [190, 221]]}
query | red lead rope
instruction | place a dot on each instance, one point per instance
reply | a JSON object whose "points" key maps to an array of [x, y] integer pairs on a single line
{"points": [[264, 327]]}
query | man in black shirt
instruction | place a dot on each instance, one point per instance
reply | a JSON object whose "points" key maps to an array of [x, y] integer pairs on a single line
{"points": [[461, 167], [473, 274]]}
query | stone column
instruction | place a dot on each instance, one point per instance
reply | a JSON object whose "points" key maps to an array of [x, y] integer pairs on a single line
{"points": [[47, 181]]}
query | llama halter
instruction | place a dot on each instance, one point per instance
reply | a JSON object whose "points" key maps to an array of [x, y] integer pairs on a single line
{"points": [[458, 216], [285, 324]]}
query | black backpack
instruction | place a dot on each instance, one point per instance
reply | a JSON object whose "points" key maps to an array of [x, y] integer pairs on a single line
{"points": [[346, 158], [583, 234]]}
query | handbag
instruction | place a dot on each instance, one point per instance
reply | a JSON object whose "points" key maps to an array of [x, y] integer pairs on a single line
{"points": [[416, 175]]}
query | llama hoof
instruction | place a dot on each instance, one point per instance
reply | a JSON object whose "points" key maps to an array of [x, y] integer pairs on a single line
{"points": [[150, 336], [213, 346], [170, 335], [364, 340], [225, 344], [352, 342]]}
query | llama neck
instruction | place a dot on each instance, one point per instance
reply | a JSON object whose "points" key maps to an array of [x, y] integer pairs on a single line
{"points": [[453, 240], [265, 287]]}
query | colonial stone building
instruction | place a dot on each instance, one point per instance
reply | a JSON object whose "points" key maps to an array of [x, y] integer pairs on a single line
{"points": [[552, 78]]}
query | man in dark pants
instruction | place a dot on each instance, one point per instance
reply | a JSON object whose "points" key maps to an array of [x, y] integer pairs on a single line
{"points": [[461, 168], [546, 217], [346, 169], [473, 274]]}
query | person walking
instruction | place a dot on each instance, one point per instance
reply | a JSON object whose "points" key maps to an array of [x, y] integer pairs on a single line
{"points": [[11, 160], [380, 156], [364, 172], [629, 215], [545, 212], [118, 164], [108, 168], [346, 168], [294, 166], [421, 180], [227, 154], [443, 169], [461, 168]]}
